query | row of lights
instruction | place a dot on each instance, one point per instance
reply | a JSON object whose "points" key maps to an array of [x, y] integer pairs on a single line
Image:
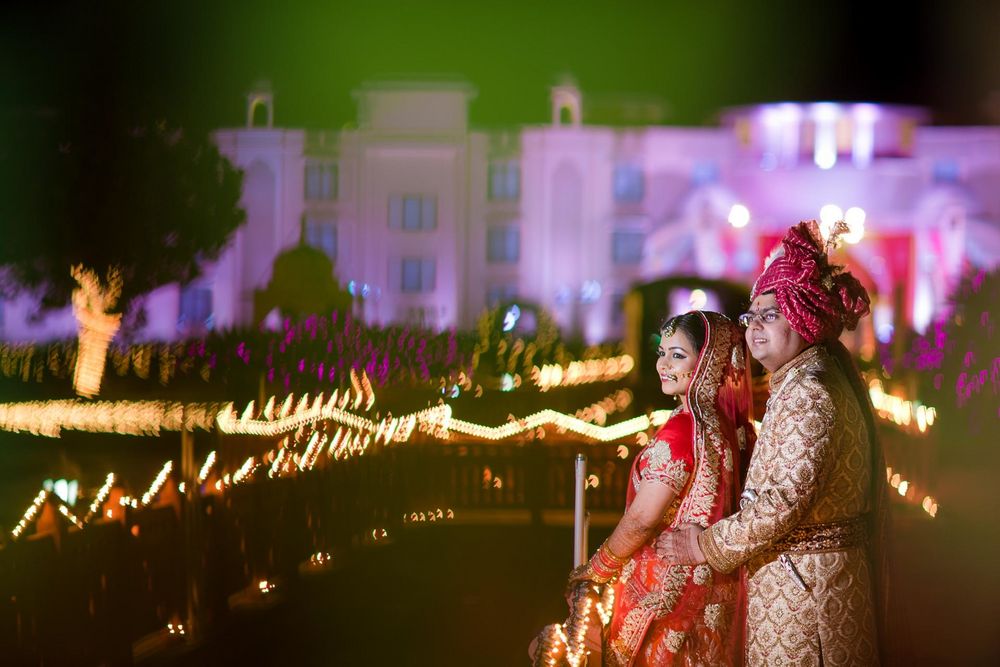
{"points": [[904, 488], [582, 372], [899, 410], [430, 515], [599, 411], [438, 422], [739, 217], [50, 418], [102, 495]]}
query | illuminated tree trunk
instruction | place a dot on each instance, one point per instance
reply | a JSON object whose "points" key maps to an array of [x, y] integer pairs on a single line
{"points": [[95, 325]]}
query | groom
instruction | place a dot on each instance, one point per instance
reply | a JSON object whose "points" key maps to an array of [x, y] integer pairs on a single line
{"points": [[815, 478]]}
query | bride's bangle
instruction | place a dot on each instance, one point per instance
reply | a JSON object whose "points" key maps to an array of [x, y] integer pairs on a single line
{"points": [[606, 564]]}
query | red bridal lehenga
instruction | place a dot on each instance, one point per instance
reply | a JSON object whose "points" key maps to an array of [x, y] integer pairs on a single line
{"points": [[665, 614]]}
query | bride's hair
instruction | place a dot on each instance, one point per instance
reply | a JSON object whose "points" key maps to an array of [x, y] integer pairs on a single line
{"points": [[692, 324]]}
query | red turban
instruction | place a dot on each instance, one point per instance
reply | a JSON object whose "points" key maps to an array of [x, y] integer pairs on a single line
{"points": [[817, 298]]}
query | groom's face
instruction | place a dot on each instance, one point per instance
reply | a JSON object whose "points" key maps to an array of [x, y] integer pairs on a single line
{"points": [[773, 343]]}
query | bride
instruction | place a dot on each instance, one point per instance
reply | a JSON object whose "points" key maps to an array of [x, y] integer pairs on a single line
{"points": [[689, 473]]}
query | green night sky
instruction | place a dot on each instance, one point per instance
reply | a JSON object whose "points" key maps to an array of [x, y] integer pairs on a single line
{"points": [[192, 62]]}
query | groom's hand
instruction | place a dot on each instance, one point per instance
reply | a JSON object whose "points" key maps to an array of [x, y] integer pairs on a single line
{"points": [[681, 546]]}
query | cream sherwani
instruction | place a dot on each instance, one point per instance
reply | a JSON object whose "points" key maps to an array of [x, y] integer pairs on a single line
{"points": [[811, 472]]}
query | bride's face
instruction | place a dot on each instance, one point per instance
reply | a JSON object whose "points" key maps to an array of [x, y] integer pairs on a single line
{"points": [[676, 363]]}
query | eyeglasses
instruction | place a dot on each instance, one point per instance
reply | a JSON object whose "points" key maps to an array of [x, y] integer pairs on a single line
{"points": [[766, 316]]}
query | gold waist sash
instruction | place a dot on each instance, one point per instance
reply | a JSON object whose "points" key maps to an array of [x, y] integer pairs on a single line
{"points": [[831, 536]]}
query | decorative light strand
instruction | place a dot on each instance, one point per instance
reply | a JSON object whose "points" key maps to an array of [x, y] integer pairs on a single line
{"points": [[899, 410], [568, 642], [436, 421], [561, 421], [317, 443], [29, 514], [582, 372], [279, 460], [245, 471], [598, 412], [208, 465], [907, 490], [157, 484], [431, 516], [50, 418], [228, 422], [65, 511], [102, 495]]}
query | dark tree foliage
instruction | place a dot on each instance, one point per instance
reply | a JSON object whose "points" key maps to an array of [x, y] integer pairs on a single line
{"points": [[96, 189], [294, 269]]}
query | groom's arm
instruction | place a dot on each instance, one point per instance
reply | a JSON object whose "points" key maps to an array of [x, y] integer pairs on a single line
{"points": [[802, 421]]}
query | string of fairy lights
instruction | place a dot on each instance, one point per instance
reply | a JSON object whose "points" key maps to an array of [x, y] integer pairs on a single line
{"points": [[99, 498], [901, 412], [309, 427], [582, 372], [50, 418], [566, 642]]}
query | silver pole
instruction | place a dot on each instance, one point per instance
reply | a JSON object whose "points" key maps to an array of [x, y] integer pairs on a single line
{"points": [[189, 475], [579, 515]]}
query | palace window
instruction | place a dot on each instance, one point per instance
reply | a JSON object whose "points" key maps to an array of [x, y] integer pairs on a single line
{"points": [[505, 181], [628, 184], [321, 233], [417, 274], [503, 244], [195, 308], [321, 181], [626, 246], [412, 213]]}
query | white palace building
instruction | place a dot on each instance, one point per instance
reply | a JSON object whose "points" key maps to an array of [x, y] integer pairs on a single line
{"points": [[429, 221]]}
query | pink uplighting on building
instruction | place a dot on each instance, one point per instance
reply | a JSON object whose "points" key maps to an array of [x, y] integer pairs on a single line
{"points": [[431, 221]]}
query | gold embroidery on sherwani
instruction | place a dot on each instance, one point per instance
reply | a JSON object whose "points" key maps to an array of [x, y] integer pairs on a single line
{"points": [[811, 466]]}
